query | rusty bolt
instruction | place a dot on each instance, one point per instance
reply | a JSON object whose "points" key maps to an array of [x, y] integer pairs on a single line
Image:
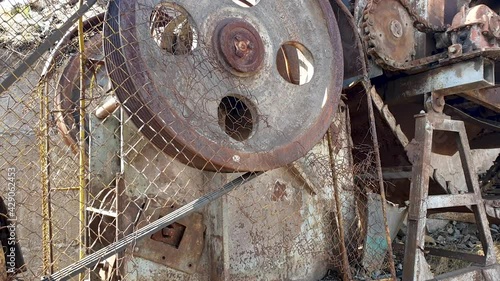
{"points": [[455, 50], [239, 45], [243, 47]]}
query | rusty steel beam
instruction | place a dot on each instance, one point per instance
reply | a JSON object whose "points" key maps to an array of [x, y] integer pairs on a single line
{"points": [[475, 273], [448, 80], [380, 179], [477, 259], [489, 98], [417, 211]]}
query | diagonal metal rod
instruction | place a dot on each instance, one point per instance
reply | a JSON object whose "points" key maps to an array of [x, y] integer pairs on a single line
{"points": [[27, 63], [338, 206], [380, 177], [118, 246]]}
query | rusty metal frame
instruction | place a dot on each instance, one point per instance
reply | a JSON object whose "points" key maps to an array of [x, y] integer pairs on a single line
{"points": [[420, 201]]}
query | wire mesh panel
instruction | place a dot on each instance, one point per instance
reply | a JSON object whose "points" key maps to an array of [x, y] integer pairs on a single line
{"points": [[144, 107]]}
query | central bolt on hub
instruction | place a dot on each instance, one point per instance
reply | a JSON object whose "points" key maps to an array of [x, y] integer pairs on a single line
{"points": [[239, 45], [396, 28]]}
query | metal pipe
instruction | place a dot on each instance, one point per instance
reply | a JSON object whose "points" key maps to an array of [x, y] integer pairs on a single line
{"points": [[107, 108]]}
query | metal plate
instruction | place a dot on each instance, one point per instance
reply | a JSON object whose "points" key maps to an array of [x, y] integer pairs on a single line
{"points": [[178, 246], [176, 99]]}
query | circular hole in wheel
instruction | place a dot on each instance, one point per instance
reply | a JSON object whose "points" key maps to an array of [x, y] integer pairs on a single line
{"points": [[246, 3], [236, 118], [295, 63], [172, 29]]}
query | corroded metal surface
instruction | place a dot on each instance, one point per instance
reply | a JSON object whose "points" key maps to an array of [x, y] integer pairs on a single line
{"points": [[389, 32], [175, 123], [421, 201], [453, 79], [178, 246], [354, 58], [476, 28], [68, 89], [489, 98], [240, 45]]}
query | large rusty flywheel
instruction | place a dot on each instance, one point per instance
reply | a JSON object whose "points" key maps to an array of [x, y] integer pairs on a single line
{"points": [[226, 85]]}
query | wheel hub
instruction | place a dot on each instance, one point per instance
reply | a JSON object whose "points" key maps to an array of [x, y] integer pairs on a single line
{"points": [[240, 45]]}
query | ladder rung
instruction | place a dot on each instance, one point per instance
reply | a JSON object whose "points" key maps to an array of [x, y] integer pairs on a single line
{"points": [[446, 201], [456, 255], [478, 259]]}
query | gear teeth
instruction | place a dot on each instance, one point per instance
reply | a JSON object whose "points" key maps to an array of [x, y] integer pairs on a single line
{"points": [[370, 36]]}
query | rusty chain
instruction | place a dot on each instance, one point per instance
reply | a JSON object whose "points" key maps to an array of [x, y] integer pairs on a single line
{"points": [[420, 23]]}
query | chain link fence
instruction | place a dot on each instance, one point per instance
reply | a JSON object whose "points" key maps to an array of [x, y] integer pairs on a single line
{"points": [[136, 112]]}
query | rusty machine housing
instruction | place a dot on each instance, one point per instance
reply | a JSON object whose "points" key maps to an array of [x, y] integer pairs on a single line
{"points": [[429, 66]]}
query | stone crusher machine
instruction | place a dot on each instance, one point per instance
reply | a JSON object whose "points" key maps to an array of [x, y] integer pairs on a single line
{"points": [[268, 77]]}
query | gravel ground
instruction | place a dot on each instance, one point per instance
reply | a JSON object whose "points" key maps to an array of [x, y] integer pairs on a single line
{"points": [[25, 23]]}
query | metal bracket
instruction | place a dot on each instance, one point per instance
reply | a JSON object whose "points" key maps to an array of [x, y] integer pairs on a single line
{"points": [[178, 245], [452, 79]]}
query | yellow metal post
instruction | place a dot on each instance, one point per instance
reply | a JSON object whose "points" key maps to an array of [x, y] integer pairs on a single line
{"points": [[45, 181], [82, 162]]}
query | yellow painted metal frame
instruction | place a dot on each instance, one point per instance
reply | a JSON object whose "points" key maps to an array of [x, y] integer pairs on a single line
{"points": [[82, 160]]}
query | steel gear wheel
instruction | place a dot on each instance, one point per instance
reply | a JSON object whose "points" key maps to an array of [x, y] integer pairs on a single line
{"points": [[389, 33], [203, 80]]}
